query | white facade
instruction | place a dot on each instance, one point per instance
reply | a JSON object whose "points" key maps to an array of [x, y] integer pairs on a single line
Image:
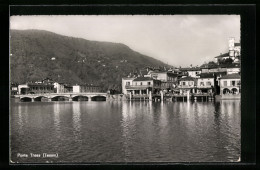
{"points": [[76, 89], [59, 87], [233, 70], [159, 76], [228, 86], [185, 84], [143, 83], [237, 50], [22, 86], [231, 43], [205, 82], [126, 82], [194, 73]]}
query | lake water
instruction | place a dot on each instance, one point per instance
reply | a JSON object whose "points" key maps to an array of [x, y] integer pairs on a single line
{"points": [[89, 131]]}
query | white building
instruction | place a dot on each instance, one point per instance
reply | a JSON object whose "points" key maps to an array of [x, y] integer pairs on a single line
{"points": [[230, 84], [187, 84], [140, 86], [191, 72], [206, 83], [76, 88], [126, 82], [23, 88], [234, 69], [59, 87], [168, 79]]}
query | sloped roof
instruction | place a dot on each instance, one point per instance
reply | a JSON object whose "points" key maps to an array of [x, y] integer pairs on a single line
{"points": [[223, 55], [206, 75], [233, 66], [190, 69], [143, 79], [220, 73], [187, 79], [231, 76], [143, 72]]}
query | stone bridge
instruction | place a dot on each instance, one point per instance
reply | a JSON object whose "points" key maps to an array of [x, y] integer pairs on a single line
{"points": [[62, 96]]}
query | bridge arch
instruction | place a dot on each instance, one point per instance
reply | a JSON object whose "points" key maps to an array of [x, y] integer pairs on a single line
{"points": [[80, 98], [226, 90], [98, 98], [59, 98], [26, 99], [40, 98]]}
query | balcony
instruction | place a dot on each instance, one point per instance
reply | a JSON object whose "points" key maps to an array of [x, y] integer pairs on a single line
{"points": [[204, 86], [138, 86], [186, 86]]}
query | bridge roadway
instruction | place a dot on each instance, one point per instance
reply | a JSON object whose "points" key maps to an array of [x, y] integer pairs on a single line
{"points": [[50, 96]]}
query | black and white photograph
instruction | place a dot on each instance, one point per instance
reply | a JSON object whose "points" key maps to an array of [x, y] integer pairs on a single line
{"points": [[125, 88]]}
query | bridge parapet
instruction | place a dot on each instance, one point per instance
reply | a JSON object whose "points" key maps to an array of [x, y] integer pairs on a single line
{"points": [[52, 95]]}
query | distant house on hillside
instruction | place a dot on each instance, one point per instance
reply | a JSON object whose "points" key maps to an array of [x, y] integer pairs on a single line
{"points": [[191, 72], [233, 53], [234, 68]]}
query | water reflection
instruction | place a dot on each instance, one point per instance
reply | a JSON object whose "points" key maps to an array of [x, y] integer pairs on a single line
{"points": [[76, 120], [22, 117], [129, 131], [56, 118]]}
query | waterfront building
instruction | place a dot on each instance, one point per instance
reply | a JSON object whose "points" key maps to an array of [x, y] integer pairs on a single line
{"points": [[168, 79], [187, 84], [35, 88], [230, 84], [59, 87], [126, 82], [206, 83], [68, 88], [218, 75], [14, 88], [141, 86], [85, 88]]}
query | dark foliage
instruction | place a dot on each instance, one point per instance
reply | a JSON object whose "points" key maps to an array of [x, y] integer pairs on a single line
{"points": [[37, 54]]}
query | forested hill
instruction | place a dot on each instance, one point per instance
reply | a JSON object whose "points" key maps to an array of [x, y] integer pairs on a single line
{"points": [[36, 54]]}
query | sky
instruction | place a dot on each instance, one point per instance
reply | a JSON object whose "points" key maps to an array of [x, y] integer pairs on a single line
{"points": [[179, 40]]}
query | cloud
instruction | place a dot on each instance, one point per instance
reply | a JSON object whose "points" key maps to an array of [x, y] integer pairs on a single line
{"points": [[174, 39]]}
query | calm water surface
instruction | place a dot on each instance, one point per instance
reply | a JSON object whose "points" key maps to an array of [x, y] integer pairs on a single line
{"points": [[89, 131]]}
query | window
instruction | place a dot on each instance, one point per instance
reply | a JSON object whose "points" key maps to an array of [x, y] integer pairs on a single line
{"points": [[233, 83], [149, 83], [128, 83], [183, 83], [208, 83], [201, 83], [141, 83], [225, 83]]}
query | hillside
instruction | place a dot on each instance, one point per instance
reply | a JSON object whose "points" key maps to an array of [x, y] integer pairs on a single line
{"points": [[36, 54]]}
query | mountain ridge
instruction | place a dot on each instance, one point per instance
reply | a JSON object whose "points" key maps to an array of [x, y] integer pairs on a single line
{"points": [[36, 54]]}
